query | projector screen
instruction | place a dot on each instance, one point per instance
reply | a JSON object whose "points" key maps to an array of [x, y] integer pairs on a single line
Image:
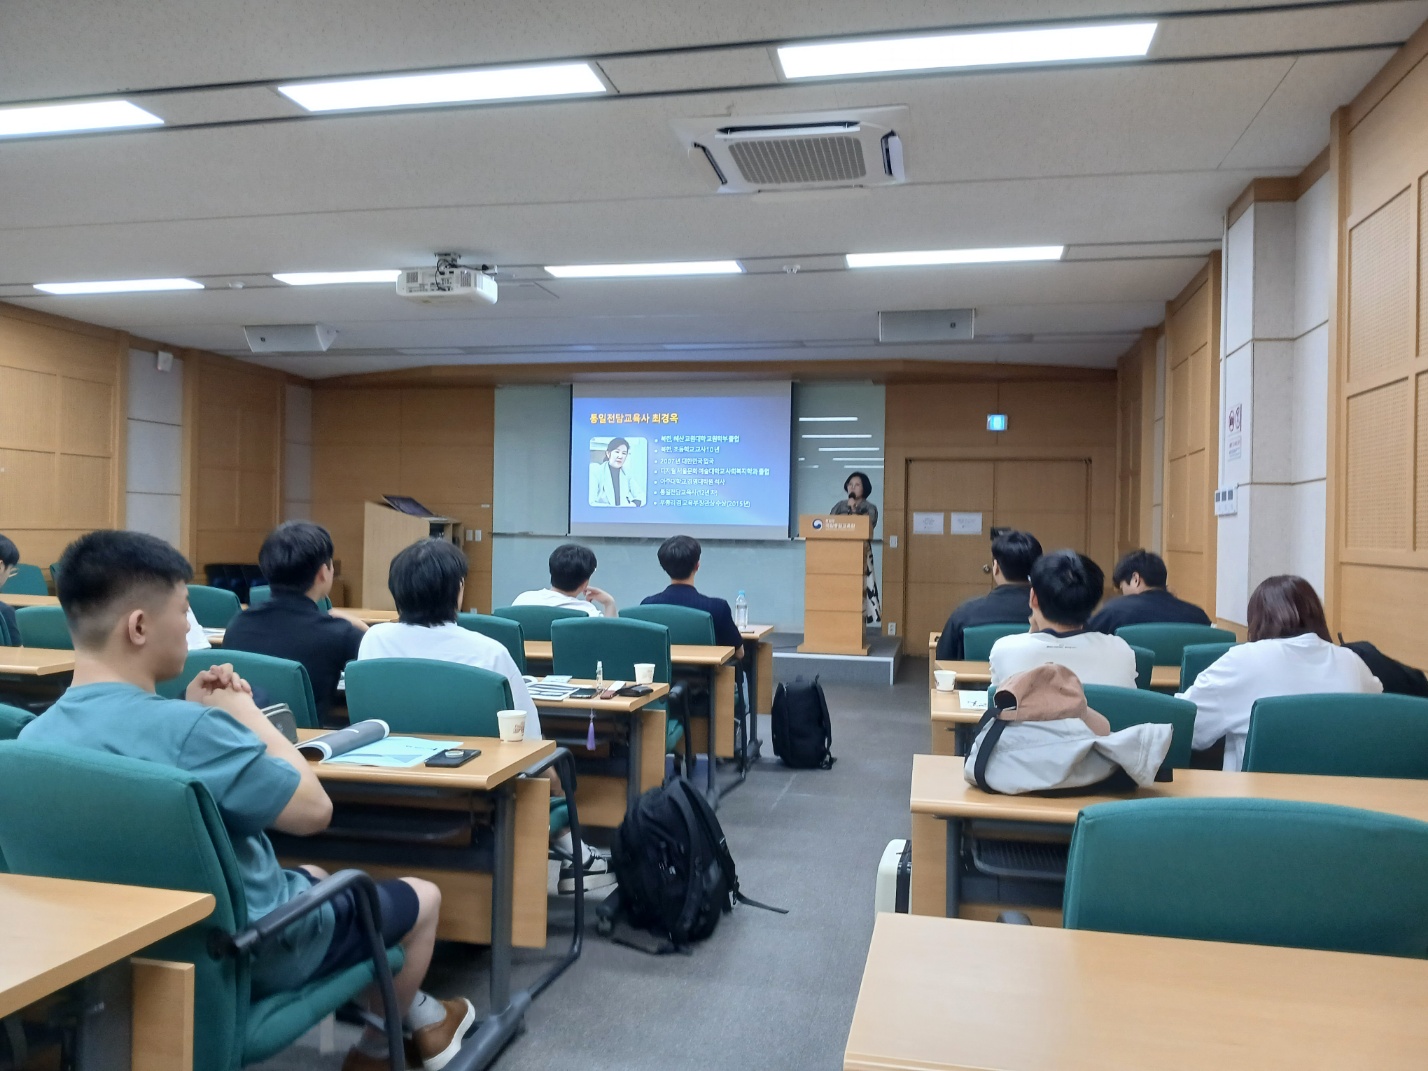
{"points": [[707, 460]]}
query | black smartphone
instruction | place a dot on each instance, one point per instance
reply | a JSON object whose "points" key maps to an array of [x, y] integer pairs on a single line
{"points": [[457, 756], [635, 690], [584, 693]]}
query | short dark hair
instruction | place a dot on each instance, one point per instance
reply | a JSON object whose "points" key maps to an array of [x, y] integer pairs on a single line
{"points": [[1068, 586], [1286, 606], [570, 566], [678, 555], [1016, 552], [99, 570], [293, 554], [867, 483], [425, 580], [9, 553], [615, 443], [1151, 568]]}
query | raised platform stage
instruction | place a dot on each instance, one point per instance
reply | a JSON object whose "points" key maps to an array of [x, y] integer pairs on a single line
{"points": [[878, 666]]}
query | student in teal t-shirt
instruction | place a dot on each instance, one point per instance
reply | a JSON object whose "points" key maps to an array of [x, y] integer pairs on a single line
{"points": [[125, 598]]}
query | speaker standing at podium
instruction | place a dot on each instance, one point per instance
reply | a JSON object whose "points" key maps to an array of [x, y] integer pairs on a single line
{"points": [[859, 487]]}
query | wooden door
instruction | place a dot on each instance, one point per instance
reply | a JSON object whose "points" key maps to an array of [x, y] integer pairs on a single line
{"points": [[1050, 499]]}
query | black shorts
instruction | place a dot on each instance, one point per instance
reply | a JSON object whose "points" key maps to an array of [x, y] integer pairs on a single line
{"points": [[349, 944]]}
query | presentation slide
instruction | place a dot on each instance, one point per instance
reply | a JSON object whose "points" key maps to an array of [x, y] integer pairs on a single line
{"points": [[711, 461]]}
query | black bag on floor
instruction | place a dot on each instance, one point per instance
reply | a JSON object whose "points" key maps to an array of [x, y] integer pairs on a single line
{"points": [[1396, 677], [675, 873], [802, 730]]}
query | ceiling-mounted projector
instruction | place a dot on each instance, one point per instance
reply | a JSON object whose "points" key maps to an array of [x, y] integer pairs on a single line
{"points": [[448, 283]]}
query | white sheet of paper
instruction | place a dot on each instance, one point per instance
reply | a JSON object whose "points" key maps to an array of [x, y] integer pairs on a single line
{"points": [[966, 524], [927, 523]]}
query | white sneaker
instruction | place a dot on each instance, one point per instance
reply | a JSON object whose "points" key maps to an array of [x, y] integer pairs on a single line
{"points": [[598, 874]]}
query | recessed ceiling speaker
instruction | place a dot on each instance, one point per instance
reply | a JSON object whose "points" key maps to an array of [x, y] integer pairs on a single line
{"points": [[290, 338], [927, 325]]}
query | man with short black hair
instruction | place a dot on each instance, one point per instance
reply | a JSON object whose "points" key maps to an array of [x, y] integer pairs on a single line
{"points": [[9, 559], [1065, 587], [296, 559], [571, 567], [679, 558], [1141, 577], [125, 599], [1013, 555]]}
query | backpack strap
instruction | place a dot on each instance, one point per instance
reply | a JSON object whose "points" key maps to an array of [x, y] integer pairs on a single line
{"points": [[995, 726], [699, 814], [828, 759]]}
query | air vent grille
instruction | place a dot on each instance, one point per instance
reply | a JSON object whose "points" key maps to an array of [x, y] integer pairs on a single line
{"points": [[780, 161]]}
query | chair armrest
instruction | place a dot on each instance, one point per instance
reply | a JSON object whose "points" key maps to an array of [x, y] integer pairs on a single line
{"points": [[275, 921], [1015, 918], [562, 758]]}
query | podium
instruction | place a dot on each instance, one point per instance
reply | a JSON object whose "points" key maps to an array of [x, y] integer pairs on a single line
{"points": [[386, 532], [835, 550]]}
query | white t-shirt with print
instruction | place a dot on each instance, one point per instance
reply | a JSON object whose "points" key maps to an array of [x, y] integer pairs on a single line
{"points": [[551, 597], [1093, 656]]}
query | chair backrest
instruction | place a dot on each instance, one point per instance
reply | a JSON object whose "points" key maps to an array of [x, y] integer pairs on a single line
{"points": [[617, 643], [214, 607], [1197, 658], [685, 624], [1270, 872], [419, 695], [281, 680], [44, 626], [978, 639], [1168, 640], [1144, 664], [257, 595], [28, 580], [54, 572], [12, 720], [503, 630], [535, 621], [91, 816], [1124, 707], [1347, 735]]}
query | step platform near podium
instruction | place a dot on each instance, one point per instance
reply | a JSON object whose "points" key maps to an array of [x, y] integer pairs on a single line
{"points": [[878, 666]]}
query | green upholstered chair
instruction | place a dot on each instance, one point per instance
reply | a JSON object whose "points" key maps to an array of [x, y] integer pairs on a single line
{"points": [[685, 624], [44, 626], [259, 594], [7, 639], [977, 641], [1124, 707], [420, 695], [1346, 735], [12, 720], [617, 644], [28, 580], [214, 607], [92, 816], [1268, 872], [535, 621], [280, 680], [54, 572], [1197, 657], [1144, 665], [503, 630], [1169, 640]]}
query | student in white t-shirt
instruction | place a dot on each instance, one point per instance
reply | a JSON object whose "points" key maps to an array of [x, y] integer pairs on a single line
{"points": [[571, 567], [1065, 588]]}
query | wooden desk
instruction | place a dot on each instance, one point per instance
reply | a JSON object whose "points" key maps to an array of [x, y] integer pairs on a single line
{"points": [[949, 995], [368, 616], [942, 801], [56, 932], [19, 601], [979, 674], [953, 726], [34, 662], [758, 663]]}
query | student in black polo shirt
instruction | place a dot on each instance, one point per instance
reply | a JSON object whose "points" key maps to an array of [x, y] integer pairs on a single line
{"points": [[1141, 577], [1013, 555], [296, 558], [9, 559], [679, 557]]}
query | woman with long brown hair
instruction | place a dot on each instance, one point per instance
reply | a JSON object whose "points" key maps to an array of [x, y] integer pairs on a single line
{"points": [[1289, 653]]}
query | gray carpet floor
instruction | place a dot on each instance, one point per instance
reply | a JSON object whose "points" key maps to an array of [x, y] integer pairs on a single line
{"points": [[766, 991]]}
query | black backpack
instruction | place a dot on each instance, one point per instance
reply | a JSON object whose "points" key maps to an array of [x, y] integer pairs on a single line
{"points": [[1396, 677], [676, 876], [802, 730]]}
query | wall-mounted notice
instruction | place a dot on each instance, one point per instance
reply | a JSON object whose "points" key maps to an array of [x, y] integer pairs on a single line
{"points": [[927, 523], [966, 524]]}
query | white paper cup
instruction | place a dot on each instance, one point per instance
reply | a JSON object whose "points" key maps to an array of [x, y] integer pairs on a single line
{"points": [[946, 679], [644, 672], [513, 724]]}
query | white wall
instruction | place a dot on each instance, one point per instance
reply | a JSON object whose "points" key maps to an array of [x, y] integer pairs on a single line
{"points": [[297, 454], [154, 482]]}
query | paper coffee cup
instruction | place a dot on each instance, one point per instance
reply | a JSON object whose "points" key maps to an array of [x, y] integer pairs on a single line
{"points": [[513, 724], [644, 672], [946, 679]]}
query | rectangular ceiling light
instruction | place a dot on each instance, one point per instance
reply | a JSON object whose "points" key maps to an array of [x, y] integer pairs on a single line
{"points": [[930, 257], [826, 419], [447, 87], [844, 435], [850, 450], [995, 48], [119, 286], [333, 278], [634, 271], [32, 120]]}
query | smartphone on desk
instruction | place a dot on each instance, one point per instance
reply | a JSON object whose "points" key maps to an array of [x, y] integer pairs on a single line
{"points": [[583, 693], [456, 756], [634, 691]]}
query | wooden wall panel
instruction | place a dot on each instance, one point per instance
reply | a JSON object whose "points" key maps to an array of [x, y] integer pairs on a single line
{"points": [[1135, 443], [435, 444]]}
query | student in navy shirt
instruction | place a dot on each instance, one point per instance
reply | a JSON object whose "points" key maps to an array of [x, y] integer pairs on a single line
{"points": [[679, 557], [9, 559], [1141, 577]]}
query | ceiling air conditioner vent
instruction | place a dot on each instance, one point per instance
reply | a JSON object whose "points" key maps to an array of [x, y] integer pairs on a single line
{"points": [[819, 150]]}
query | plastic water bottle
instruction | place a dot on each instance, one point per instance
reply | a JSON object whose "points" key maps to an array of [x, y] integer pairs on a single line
{"points": [[600, 675], [741, 612]]}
